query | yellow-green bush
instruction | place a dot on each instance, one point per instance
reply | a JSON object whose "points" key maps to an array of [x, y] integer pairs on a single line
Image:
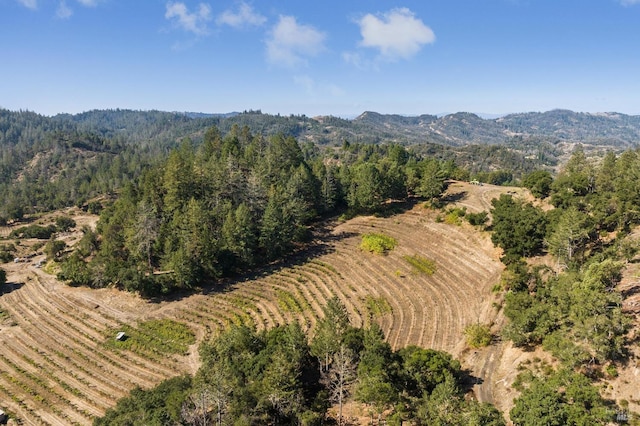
{"points": [[421, 265], [478, 335], [377, 243]]}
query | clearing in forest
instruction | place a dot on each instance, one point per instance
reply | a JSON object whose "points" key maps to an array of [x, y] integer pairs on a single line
{"points": [[55, 367]]}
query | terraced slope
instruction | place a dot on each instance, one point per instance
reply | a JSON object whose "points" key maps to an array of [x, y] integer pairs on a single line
{"points": [[55, 369]]}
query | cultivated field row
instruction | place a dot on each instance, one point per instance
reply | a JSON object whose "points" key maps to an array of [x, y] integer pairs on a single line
{"points": [[54, 366]]}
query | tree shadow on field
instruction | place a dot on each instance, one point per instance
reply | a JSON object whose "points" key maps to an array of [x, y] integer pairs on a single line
{"points": [[10, 287], [468, 380], [323, 242], [395, 207], [453, 198]]}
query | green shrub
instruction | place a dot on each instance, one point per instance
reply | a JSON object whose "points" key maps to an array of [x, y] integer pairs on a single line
{"points": [[421, 265], [74, 271], [453, 215], [34, 231], [7, 253], [477, 219], [377, 243], [377, 306], [611, 370], [54, 249], [94, 207], [65, 223], [164, 336], [478, 335]]}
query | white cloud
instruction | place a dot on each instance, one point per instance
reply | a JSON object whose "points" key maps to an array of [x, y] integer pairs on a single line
{"points": [[245, 16], [289, 42], [398, 34], [195, 22], [63, 11], [629, 2], [31, 4]]}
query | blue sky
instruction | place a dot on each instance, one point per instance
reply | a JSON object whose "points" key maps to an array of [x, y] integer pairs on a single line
{"points": [[319, 58]]}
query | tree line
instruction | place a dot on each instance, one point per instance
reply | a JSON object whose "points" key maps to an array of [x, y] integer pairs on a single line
{"points": [[237, 201], [572, 307]]}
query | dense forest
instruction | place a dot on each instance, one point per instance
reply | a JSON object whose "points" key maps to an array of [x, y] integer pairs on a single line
{"points": [[192, 201], [236, 202]]}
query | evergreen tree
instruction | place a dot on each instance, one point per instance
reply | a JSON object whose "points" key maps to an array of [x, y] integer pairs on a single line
{"points": [[178, 179], [376, 375], [239, 235], [366, 188], [330, 332], [277, 228], [538, 182], [518, 227], [570, 235], [195, 254], [431, 184]]}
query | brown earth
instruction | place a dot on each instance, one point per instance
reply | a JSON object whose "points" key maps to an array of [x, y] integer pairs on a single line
{"points": [[626, 387]]}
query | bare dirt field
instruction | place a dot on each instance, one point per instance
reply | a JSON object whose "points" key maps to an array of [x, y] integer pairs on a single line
{"points": [[626, 387], [55, 368]]}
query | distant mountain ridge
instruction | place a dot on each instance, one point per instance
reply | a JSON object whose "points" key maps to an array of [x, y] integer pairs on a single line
{"points": [[458, 129], [463, 128]]}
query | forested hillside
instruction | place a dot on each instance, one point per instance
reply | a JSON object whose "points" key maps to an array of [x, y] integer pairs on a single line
{"points": [[52, 162]]}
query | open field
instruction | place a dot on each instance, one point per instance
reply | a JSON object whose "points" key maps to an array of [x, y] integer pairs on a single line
{"points": [[56, 369]]}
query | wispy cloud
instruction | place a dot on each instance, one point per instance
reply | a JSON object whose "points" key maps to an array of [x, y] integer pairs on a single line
{"points": [[629, 2], [312, 88], [195, 22], [358, 60], [289, 43], [397, 34], [245, 16], [63, 11], [31, 4]]}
